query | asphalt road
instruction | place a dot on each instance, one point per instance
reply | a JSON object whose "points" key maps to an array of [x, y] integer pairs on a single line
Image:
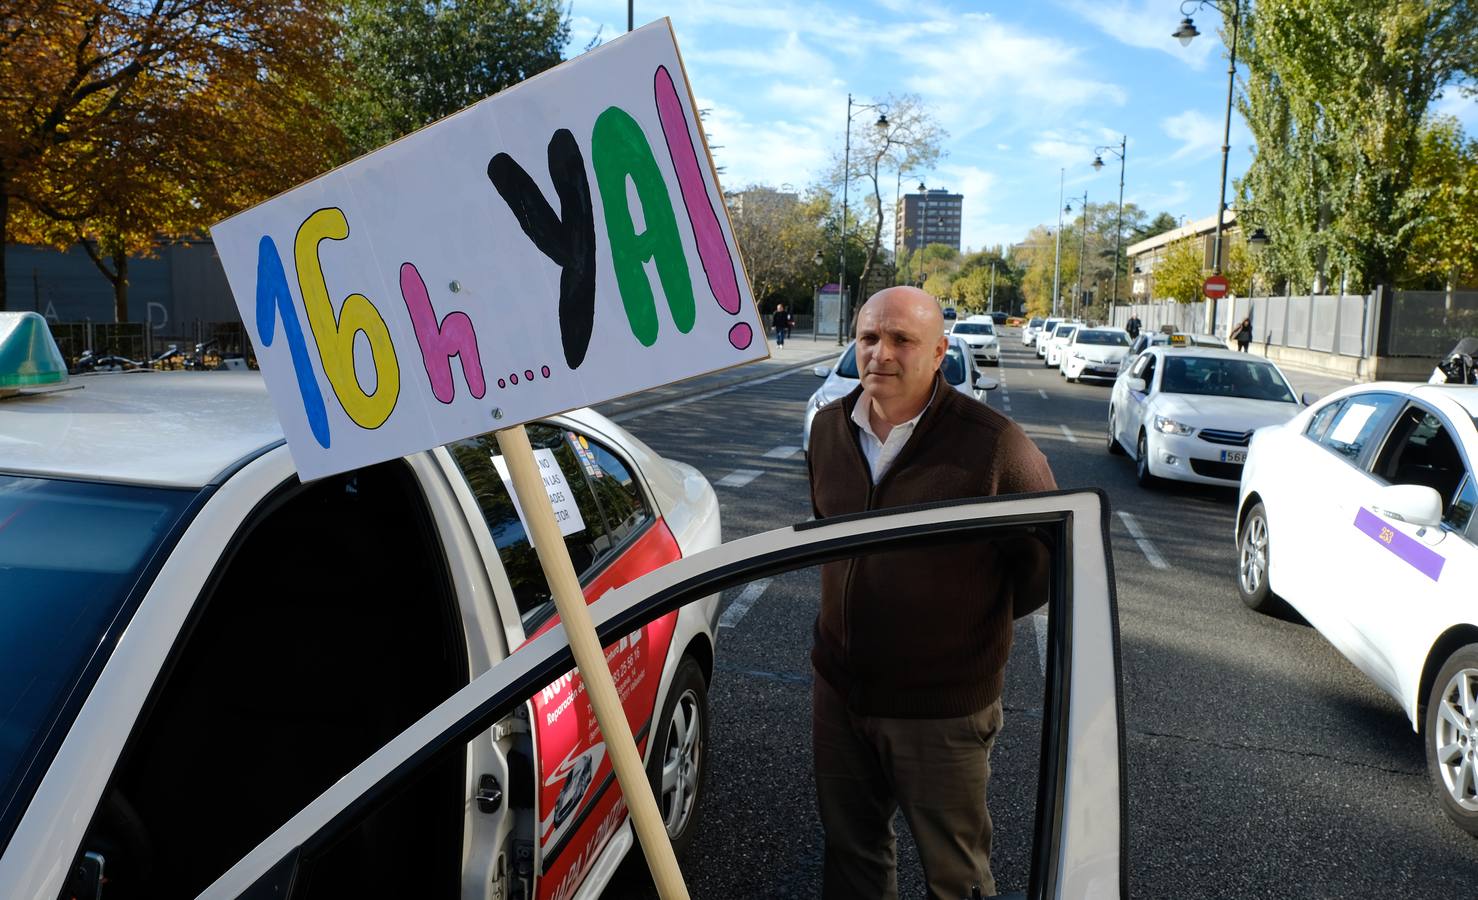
{"points": [[1261, 764]]}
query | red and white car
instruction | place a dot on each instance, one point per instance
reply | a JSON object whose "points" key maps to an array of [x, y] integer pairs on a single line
{"points": [[195, 645]]}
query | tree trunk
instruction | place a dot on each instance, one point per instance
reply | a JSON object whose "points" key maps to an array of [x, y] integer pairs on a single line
{"points": [[120, 288]]}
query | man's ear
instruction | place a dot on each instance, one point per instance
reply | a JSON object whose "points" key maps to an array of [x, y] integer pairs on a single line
{"points": [[939, 350]]}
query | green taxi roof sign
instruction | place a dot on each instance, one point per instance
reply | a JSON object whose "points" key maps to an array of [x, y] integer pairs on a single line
{"points": [[29, 356]]}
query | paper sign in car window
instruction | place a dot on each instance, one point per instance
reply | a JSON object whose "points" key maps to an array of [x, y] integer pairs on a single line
{"points": [[566, 512], [1351, 423]]}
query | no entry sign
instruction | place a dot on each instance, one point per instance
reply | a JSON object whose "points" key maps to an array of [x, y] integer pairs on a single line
{"points": [[1215, 287]]}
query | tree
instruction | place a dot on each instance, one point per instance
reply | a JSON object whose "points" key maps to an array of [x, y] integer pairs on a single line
{"points": [[120, 121], [1336, 95], [910, 139], [1444, 248], [1179, 274], [1158, 225], [416, 61], [779, 237]]}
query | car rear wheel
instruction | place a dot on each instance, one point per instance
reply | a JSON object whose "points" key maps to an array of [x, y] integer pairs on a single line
{"points": [[1114, 446], [679, 762], [1252, 565], [1142, 473], [1452, 737]]}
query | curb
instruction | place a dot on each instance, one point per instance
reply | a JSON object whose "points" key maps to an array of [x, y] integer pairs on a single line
{"points": [[723, 385]]}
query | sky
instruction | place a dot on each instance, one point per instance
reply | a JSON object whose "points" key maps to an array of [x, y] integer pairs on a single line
{"points": [[1025, 90]]}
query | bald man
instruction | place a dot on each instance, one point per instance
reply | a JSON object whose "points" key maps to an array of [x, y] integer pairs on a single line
{"points": [[910, 655]]}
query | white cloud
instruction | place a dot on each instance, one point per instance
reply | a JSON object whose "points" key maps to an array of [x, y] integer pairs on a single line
{"points": [[1198, 134], [773, 152], [1004, 148], [1172, 200], [1149, 24], [978, 187], [788, 57]]}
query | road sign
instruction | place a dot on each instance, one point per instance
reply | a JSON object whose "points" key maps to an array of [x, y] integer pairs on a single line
{"points": [[1215, 287]]}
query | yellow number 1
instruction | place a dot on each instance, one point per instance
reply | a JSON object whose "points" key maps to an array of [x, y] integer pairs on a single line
{"points": [[335, 335]]}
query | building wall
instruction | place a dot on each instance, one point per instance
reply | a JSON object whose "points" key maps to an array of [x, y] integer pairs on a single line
{"points": [[916, 220], [183, 284]]}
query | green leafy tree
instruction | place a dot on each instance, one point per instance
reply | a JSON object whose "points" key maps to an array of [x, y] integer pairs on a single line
{"points": [[416, 61], [1336, 95], [779, 237], [1445, 248]]}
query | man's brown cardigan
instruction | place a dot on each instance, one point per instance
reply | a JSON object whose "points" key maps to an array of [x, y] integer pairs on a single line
{"points": [[924, 633]]}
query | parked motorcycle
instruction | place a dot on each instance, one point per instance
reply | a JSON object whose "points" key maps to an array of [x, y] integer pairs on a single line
{"points": [[108, 362], [1459, 366]]}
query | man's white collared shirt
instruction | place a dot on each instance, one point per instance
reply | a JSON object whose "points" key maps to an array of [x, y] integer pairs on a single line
{"points": [[880, 453]]}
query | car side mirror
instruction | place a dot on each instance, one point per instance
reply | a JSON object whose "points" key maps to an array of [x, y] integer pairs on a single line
{"points": [[1415, 504], [1136, 385], [1309, 398], [822, 371], [982, 383]]}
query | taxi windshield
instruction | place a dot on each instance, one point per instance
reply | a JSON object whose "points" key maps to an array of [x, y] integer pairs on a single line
{"points": [[953, 366], [847, 368], [71, 555], [974, 328], [1106, 338], [1224, 378]]}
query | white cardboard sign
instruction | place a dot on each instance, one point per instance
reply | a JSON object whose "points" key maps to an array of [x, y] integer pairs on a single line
{"points": [[558, 245], [566, 511]]}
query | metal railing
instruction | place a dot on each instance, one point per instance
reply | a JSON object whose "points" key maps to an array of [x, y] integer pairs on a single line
{"points": [[203, 345], [1430, 323]]}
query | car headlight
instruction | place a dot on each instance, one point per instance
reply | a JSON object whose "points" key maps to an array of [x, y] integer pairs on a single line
{"points": [[1170, 426]]}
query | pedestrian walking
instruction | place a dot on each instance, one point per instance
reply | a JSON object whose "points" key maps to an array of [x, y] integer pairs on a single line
{"points": [[909, 657], [1132, 326], [1243, 334], [781, 323]]}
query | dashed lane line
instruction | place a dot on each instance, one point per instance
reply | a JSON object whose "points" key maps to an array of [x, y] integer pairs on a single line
{"points": [[1043, 393], [740, 607], [1068, 433], [1145, 547], [738, 478], [1039, 624], [782, 452]]}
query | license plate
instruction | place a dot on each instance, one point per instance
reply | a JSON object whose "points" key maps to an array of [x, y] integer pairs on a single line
{"points": [[1234, 456]]}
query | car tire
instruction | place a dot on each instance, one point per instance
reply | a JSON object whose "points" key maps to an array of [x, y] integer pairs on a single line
{"points": [[1448, 725], [1142, 473], [1253, 546], [678, 767], [1114, 447]]}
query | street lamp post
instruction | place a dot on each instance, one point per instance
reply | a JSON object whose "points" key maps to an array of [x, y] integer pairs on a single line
{"points": [[1121, 152], [1082, 246], [1057, 254], [882, 122], [1185, 33]]}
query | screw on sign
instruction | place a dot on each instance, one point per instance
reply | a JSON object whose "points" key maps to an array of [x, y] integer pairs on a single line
{"points": [[1215, 287]]}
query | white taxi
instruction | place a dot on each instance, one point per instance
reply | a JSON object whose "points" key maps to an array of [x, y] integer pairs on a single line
{"points": [[1358, 513], [979, 333], [1188, 414], [1061, 336], [196, 644], [1094, 353]]}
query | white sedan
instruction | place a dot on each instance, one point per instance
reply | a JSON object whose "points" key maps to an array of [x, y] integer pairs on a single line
{"points": [[979, 332], [1094, 353], [1029, 331], [1358, 512], [1188, 414], [1044, 334], [958, 368], [1061, 335]]}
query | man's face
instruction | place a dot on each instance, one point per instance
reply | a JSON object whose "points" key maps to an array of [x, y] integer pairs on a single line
{"points": [[900, 343]]}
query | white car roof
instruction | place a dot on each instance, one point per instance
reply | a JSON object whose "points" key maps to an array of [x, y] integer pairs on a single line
{"points": [[1464, 395], [166, 429]]}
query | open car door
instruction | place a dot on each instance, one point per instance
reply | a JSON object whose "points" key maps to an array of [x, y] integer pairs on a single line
{"points": [[1077, 842]]}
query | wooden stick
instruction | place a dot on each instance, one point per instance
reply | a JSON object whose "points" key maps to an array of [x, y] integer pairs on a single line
{"points": [[554, 556]]}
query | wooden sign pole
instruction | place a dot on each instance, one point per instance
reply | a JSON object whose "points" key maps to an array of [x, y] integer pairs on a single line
{"points": [[549, 543]]}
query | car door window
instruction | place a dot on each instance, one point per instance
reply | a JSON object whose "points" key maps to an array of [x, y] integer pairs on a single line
{"points": [[1319, 421], [620, 497], [1421, 451], [1359, 420], [330, 627], [1459, 513]]}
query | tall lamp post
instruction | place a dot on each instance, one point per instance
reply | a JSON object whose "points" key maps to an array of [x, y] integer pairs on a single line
{"points": [[1057, 254], [882, 122], [1082, 245], [1119, 230], [1185, 33]]}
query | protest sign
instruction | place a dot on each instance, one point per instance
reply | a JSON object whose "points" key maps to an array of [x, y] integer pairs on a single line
{"points": [[560, 244]]}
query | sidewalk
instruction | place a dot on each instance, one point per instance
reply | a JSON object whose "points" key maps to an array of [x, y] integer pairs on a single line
{"points": [[799, 353]]}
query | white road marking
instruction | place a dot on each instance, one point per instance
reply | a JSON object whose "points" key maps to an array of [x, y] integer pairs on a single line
{"points": [[1043, 393], [622, 417], [782, 452], [1039, 624], [739, 478], [1068, 433], [742, 603], [1145, 547]]}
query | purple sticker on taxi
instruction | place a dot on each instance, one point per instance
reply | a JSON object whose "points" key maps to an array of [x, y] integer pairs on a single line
{"points": [[1410, 550]]}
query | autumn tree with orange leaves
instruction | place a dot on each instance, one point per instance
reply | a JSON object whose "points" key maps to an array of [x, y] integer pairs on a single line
{"points": [[121, 121]]}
